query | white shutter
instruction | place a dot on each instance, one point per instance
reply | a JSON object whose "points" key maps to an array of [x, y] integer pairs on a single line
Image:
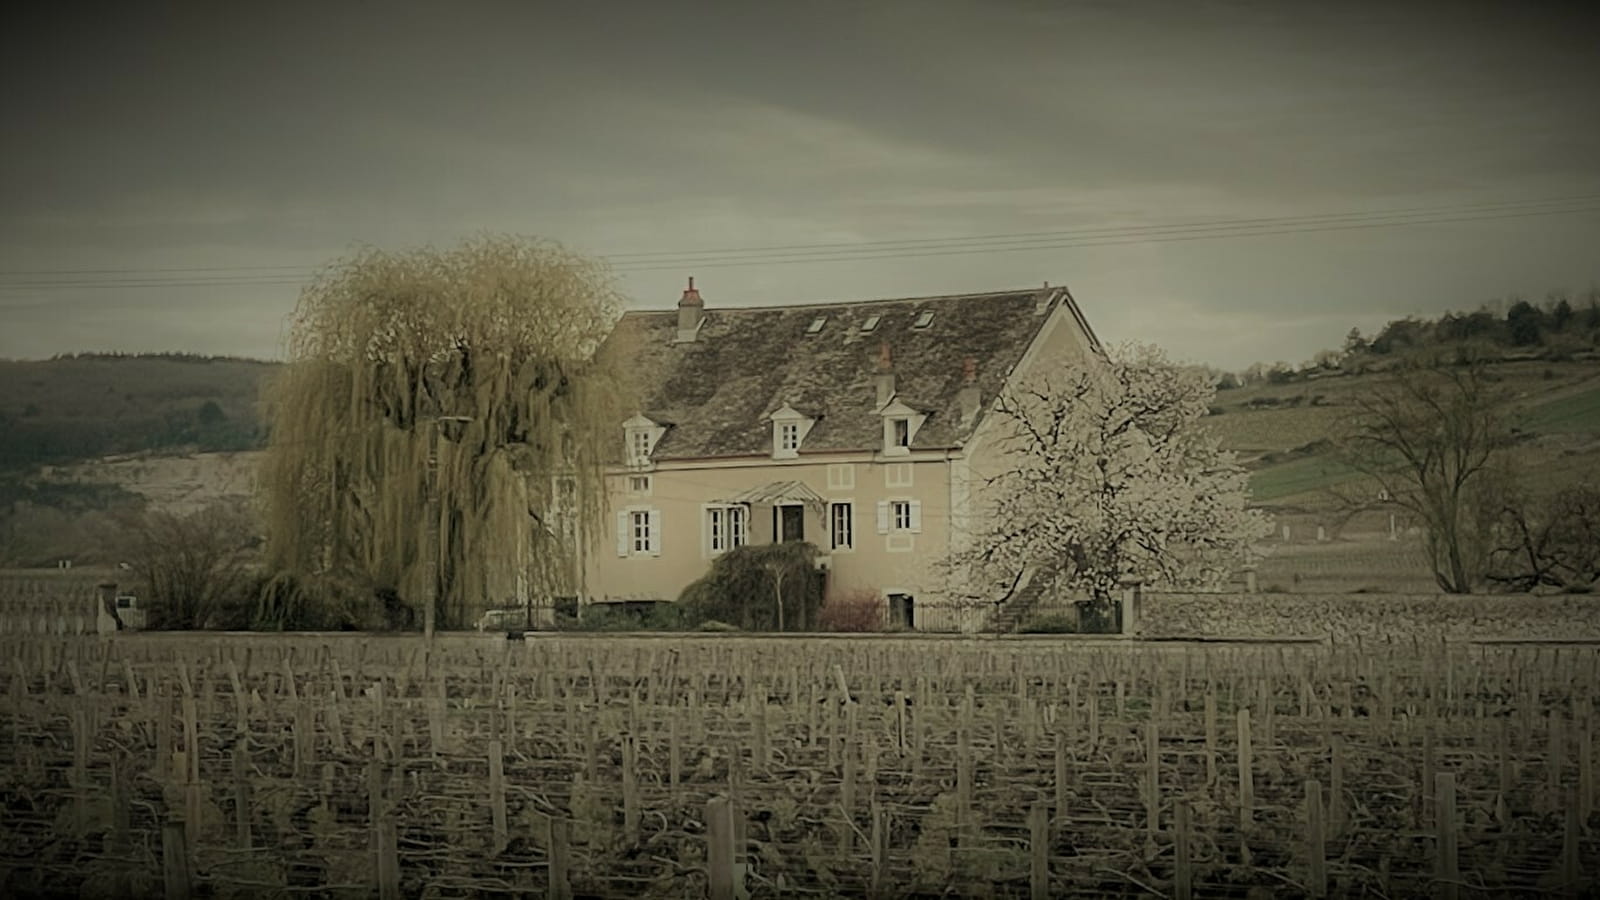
{"points": [[883, 517], [622, 533], [654, 517], [916, 517]]}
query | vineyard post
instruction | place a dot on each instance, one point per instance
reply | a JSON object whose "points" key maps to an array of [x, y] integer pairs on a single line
{"points": [[1446, 868], [497, 795], [175, 875], [762, 754], [1183, 874], [1061, 777], [1586, 766], [964, 774], [1502, 803], [1152, 795], [719, 850], [241, 793], [1557, 758], [847, 791], [674, 754], [1571, 858], [1428, 781], [900, 742], [82, 741], [879, 850], [560, 887], [1336, 787], [630, 790], [1211, 735], [1038, 851], [1316, 841], [1246, 779]]}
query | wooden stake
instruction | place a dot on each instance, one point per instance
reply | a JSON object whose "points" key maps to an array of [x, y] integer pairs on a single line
{"points": [[1038, 852], [1247, 791], [719, 850], [1183, 874], [560, 887], [497, 796], [1316, 842], [175, 873], [1446, 868]]}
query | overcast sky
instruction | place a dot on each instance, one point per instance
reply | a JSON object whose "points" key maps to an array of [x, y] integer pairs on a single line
{"points": [[217, 137]]}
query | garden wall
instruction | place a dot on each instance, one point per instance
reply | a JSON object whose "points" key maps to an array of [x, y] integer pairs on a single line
{"points": [[1369, 616]]}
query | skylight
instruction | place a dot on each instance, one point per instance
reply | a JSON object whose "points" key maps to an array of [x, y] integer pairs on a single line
{"points": [[816, 324], [870, 324], [924, 319]]}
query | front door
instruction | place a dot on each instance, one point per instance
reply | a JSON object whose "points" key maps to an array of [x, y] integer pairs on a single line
{"points": [[902, 611], [788, 523]]}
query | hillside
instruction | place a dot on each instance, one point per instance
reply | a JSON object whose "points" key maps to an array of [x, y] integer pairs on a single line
{"points": [[85, 407], [1281, 432]]}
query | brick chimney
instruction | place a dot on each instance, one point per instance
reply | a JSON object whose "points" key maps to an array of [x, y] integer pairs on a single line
{"points": [[884, 380], [968, 396], [691, 313]]}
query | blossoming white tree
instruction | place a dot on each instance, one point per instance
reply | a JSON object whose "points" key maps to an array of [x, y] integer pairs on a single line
{"points": [[1110, 473]]}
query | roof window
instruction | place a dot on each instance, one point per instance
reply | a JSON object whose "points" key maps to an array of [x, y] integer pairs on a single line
{"points": [[924, 319], [871, 324], [816, 324]]}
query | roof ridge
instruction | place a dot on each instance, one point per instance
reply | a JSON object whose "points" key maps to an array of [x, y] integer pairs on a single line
{"points": [[835, 303]]}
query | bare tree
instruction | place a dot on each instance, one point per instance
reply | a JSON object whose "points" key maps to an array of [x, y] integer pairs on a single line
{"points": [[193, 569], [1431, 435], [1111, 473], [1553, 544]]}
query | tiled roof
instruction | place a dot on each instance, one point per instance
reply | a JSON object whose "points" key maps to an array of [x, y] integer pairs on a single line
{"points": [[748, 362]]}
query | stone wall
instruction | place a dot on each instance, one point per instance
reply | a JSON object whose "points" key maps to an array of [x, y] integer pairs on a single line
{"points": [[1372, 616]]}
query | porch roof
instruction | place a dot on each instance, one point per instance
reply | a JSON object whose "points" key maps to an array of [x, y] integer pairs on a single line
{"points": [[774, 493]]}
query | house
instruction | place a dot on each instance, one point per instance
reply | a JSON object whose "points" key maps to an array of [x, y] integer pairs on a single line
{"points": [[862, 427]]}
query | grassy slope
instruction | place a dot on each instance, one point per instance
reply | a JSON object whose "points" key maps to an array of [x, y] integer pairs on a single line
{"points": [[1291, 473], [64, 409]]}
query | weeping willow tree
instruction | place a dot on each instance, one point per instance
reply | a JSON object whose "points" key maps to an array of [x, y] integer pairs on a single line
{"points": [[480, 357]]}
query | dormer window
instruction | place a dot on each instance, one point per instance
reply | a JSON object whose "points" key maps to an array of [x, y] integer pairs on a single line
{"points": [[789, 428], [641, 434], [924, 319], [900, 424], [870, 325]]}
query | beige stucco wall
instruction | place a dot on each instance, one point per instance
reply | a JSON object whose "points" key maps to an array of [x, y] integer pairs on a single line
{"points": [[681, 491]]}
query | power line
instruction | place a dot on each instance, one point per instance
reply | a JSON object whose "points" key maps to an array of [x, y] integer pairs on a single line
{"points": [[914, 248]]}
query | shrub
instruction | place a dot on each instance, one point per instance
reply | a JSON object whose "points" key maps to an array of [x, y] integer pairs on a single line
{"points": [[854, 610], [745, 584]]}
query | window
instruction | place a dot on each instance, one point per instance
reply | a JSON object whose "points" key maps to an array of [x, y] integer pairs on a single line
{"points": [[924, 319], [897, 475], [639, 484], [902, 433], [639, 525], [902, 517], [871, 324], [565, 507], [724, 528], [841, 525], [639, 532], [902, 514], [638, 446], [841, 477], [789, 436], [816, 324]]}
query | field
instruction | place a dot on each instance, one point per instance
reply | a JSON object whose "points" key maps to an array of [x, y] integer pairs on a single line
{"points": [[613, 766]]}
